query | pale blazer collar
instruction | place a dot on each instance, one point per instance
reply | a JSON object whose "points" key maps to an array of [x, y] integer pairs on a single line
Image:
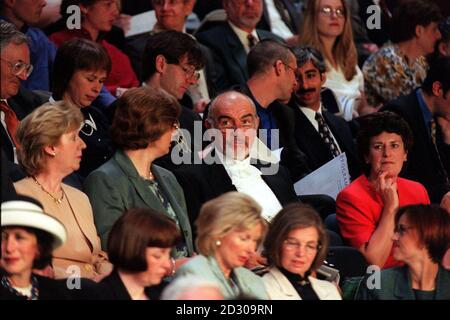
{"points": [[288, 289]]}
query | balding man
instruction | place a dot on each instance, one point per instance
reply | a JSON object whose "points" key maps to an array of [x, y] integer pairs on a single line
{"points": [[237, 162], [230, 42]]}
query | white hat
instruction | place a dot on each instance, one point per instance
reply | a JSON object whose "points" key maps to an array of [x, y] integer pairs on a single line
{"points": [[27, 214]]}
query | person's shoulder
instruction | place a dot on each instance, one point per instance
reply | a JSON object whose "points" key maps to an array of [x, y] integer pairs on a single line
{"points": [[406, 183], [211, 34], [198, 264], [358, 186]]}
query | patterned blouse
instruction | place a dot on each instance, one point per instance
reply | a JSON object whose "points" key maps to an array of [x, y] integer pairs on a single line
{"points": [[387, 74]]}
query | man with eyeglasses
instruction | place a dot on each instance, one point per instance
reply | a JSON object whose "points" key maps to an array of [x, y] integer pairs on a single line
{"points": [[23, 14], [172, 15], [230, 42], [234, 162], [16, 102], [171, 61]]}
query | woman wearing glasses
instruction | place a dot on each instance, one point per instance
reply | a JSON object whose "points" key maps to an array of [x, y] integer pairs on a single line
{"points": [[421, 238], [296, 245], [142, 129], [80, 70], [327, 28]]}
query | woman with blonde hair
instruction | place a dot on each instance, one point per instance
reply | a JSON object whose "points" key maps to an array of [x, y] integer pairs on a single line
{"points": [[230, 229], [51, 149], [327, 28]]}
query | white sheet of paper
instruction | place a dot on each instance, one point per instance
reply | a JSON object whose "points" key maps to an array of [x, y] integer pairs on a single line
{"points": [[329, 179], [141, 23]]}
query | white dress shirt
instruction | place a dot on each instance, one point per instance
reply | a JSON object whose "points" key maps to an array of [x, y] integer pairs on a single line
{"points": [[311, 115], [242, 35], [277, 24], [247, 179], [347, 92]]}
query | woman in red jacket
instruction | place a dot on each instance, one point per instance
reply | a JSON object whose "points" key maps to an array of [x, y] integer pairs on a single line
{"points": [[367, 207], [98, 17]]}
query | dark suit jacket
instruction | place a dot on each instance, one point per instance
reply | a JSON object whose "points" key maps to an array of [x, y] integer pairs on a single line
{"points": [[203, 182], [22, 104], [112, 288], [49, 289], [289, 9], [317, 152], [423, 163], [230, 58]]}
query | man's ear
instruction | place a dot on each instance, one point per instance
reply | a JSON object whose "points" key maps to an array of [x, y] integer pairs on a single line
{"points": [[208, 123], [436, 88], [278, 66], [160, 63], [419, 30], [188, 7], [442, 48], [84, 9], [323, 77]]}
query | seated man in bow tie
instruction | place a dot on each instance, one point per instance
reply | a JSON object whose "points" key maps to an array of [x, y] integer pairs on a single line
{"points": [[236, 161]]}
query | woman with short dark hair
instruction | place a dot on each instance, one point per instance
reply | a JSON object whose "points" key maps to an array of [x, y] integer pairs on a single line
{"points": [[97, 18], [142, 129], [421, 238], [366, 208], [80, 69], [139, 247], [296, 246]]}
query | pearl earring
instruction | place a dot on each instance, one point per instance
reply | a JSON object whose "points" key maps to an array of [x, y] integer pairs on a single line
{"points": [[218, 243]]}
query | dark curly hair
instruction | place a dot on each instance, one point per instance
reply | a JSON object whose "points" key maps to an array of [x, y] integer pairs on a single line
{"points": [[142, 116], [373, 125]]}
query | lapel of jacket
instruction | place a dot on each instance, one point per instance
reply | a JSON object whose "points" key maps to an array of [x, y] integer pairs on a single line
{"points": [[284, 284], [442, 287], [118, 289], [274, 182], [137, 182], [237, 50], [214, 266], [318, 288], [167, 187], [218, 176], [422, 131], [80, 213], [311, 142]]}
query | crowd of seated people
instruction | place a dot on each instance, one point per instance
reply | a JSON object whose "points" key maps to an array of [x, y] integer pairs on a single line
{"points": [[167, 188]]}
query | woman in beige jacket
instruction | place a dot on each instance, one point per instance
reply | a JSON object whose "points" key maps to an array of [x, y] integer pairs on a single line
{"points": [[50, 150]]}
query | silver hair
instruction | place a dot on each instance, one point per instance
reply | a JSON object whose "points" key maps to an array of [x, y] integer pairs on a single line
{"points": [[212, 106], [10, 34], [185, 283]]}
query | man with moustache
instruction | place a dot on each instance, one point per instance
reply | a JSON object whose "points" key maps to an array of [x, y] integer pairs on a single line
{"points": [[319, 134], [230, 42]]}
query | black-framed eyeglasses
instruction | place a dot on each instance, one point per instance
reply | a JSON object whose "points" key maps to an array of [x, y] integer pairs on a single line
{"points": [[339, 12], [19, 67]]}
